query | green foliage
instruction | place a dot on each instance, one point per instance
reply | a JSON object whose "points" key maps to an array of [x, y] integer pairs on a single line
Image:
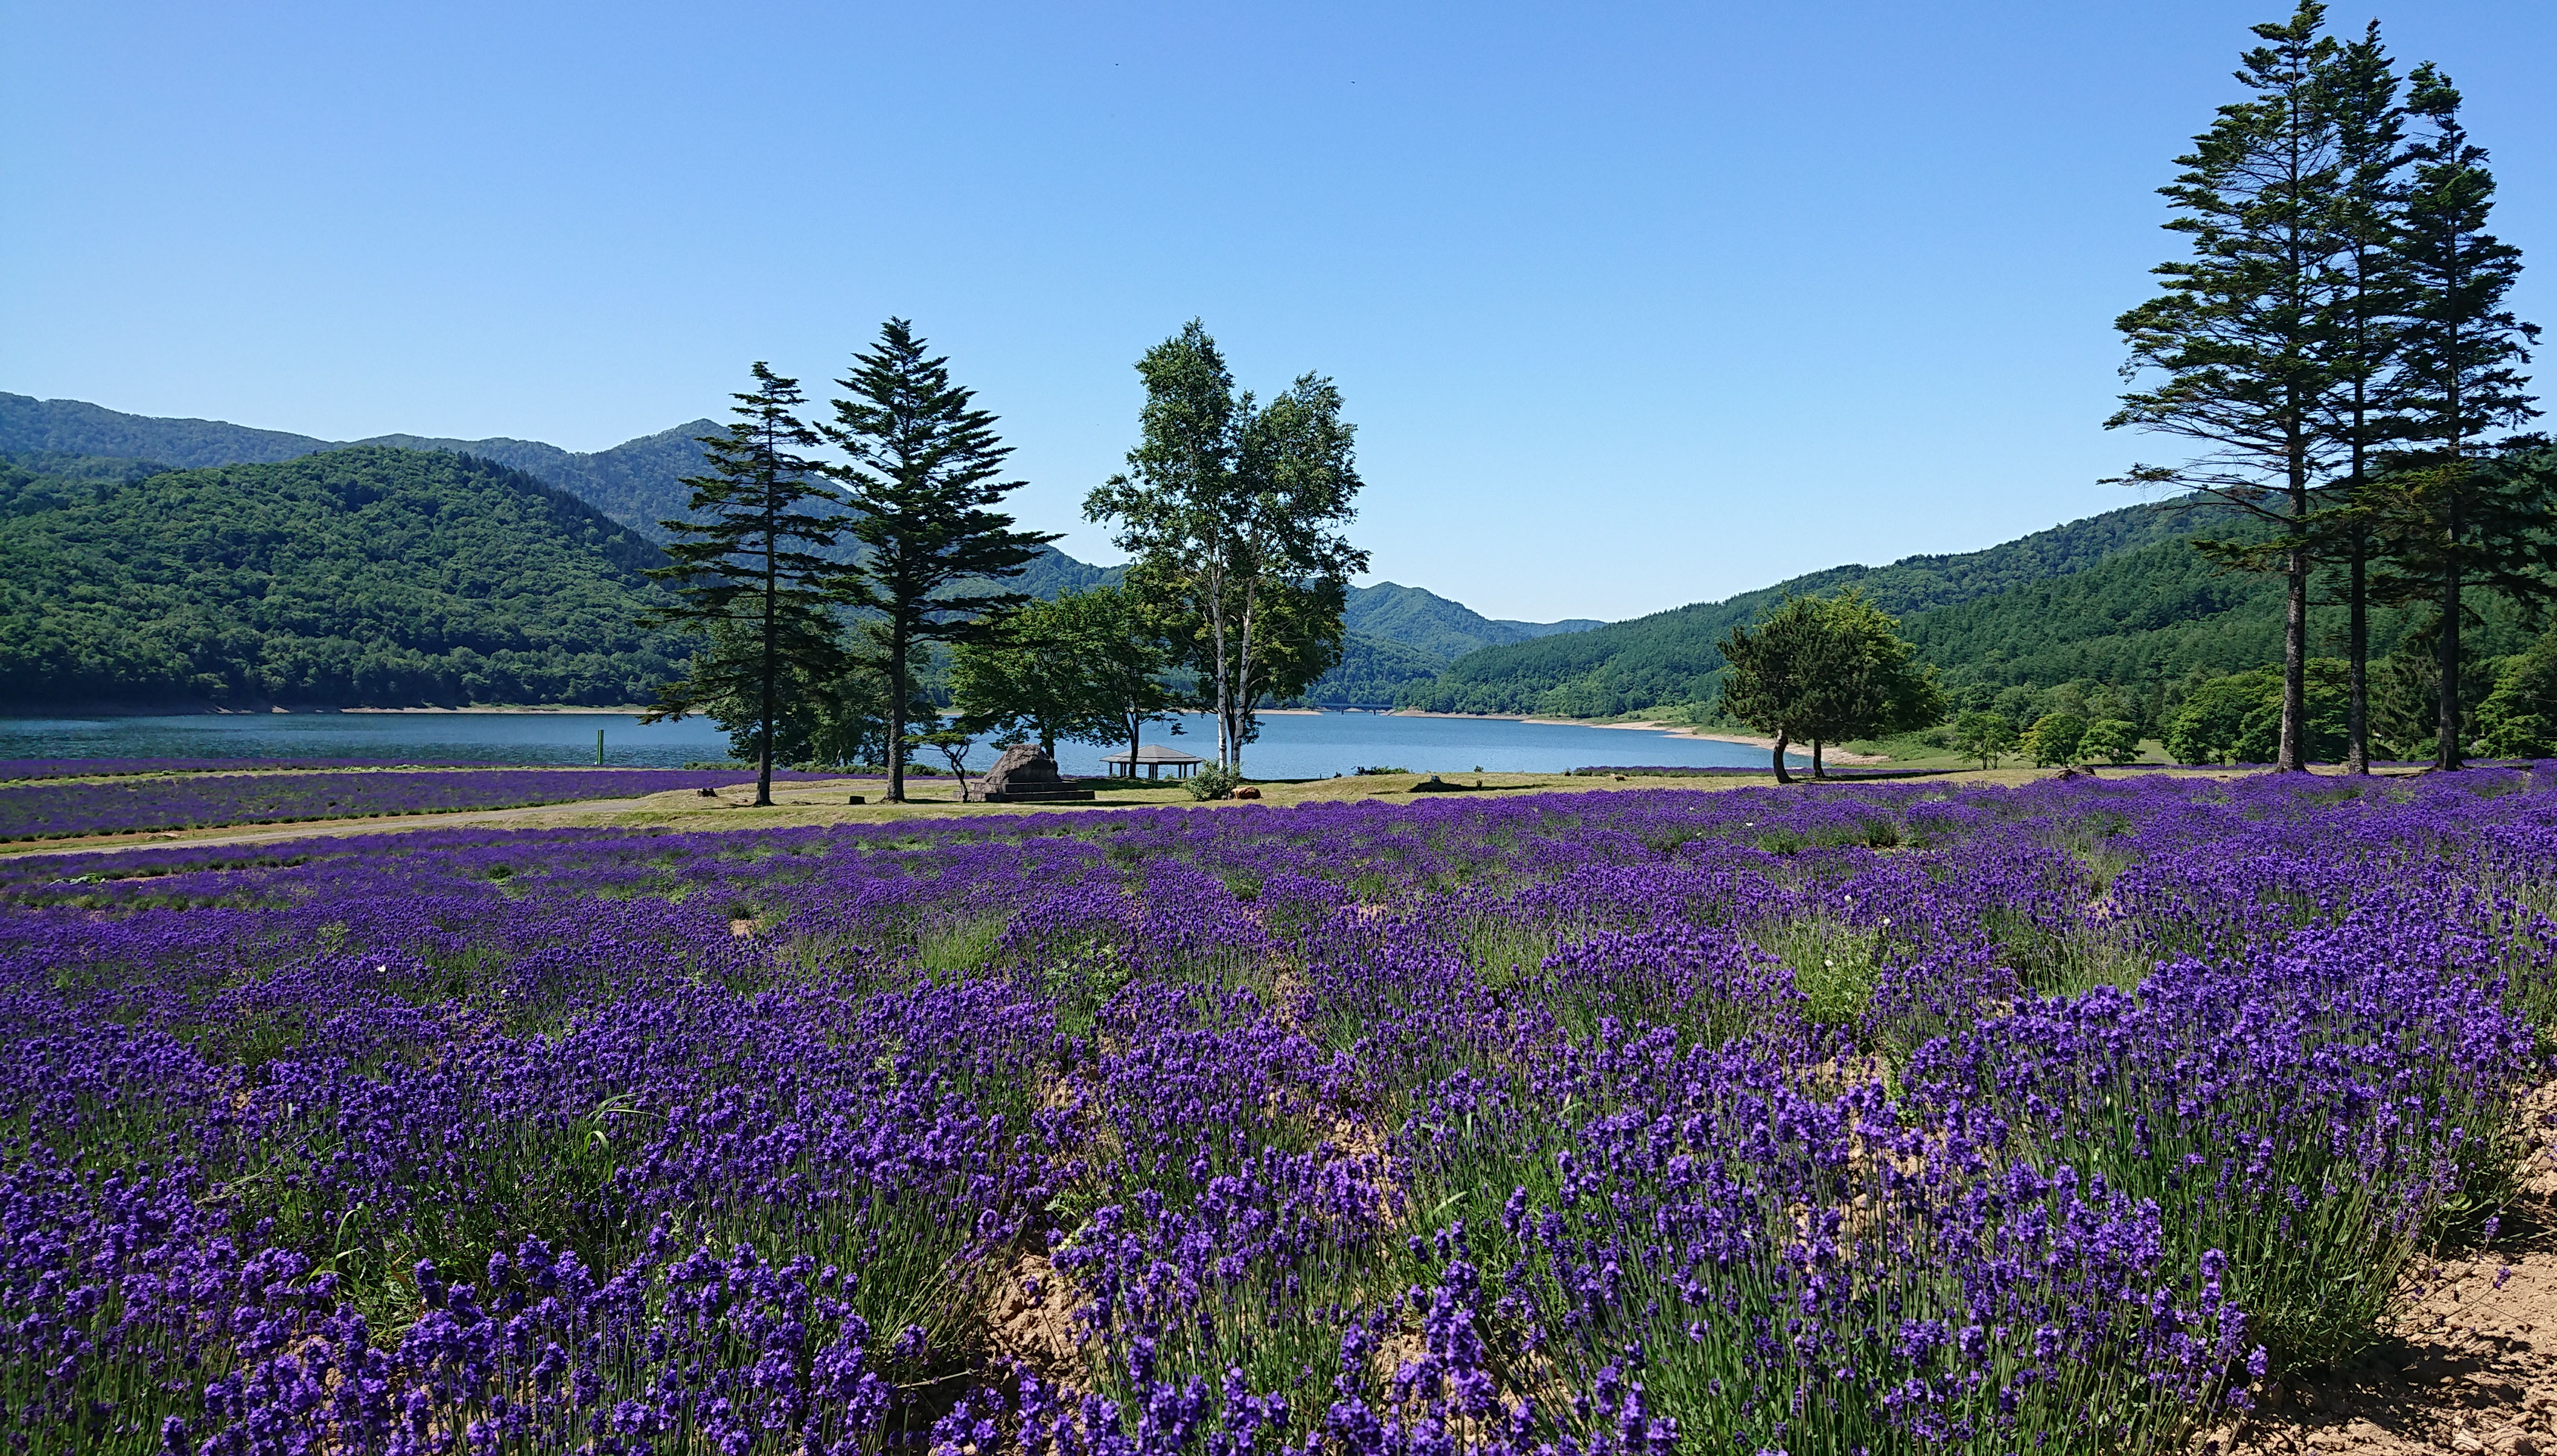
{"points": [[2055, 738], [634, 484], [1672, 657], [921, 468], [1026, 683], [1216, 781], [2518, 719], [1372, 673], [745, 576], [953, 743], [1434, 627], [2454, 516], [1983, 734], [2212, 721], [2237, 719], [357, 577], [2114, 740], [1823, 670], [1234, 513], [1088, 666], [2406, 694]]}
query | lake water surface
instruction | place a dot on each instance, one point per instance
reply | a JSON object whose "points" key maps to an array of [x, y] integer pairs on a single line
{"points": [[1292, 746]]}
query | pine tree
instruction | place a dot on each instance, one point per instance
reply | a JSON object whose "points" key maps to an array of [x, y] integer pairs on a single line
{"points": [[2239, 332], [2456, 516], [745, 579], [2359, 93], [922, 466]]}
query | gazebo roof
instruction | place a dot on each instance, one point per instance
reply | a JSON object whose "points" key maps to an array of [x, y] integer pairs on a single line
{"points": [[1152, 753]]}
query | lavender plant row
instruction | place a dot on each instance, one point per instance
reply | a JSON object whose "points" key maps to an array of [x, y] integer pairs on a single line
{"points": [[1903, 1117], [12, 769], [36, 811]]}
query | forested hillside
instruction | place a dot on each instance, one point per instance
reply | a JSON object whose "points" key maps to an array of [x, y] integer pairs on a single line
{"points": [[1403, 636], [1435, 626], [2156, 615], [70, 426], [363, 577], [1669, 658], [634, 484], [1398, 635]]}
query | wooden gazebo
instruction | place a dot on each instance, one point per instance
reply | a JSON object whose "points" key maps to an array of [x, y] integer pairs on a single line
{"points": [[1153, 756]]}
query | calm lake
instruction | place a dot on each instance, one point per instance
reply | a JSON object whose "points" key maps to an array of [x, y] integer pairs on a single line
{"points": [[1292, 746]]}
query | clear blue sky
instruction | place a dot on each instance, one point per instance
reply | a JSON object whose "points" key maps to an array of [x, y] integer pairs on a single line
{"points": [[1634, 306]]}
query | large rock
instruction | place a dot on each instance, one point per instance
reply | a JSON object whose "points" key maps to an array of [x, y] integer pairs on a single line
{"points": [[1021, 766], [1023, 773]]}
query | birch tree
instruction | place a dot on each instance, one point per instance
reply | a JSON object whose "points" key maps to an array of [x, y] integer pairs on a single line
{"points": [[1234, 510]]}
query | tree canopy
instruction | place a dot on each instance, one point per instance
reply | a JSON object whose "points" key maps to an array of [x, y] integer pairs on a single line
{"points": [[922, 468], [1822, 670], [1234, 511]]}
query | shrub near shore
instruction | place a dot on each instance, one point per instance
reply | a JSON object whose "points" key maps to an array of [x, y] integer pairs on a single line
{"points": [[1906, 1117]]}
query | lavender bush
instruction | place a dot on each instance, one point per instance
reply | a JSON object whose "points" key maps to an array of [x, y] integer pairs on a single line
{"points": [[1903, 1117], [45, 810], [12, 769]]}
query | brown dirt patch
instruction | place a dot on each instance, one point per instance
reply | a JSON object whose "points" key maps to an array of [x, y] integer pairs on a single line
{"points": [[1030, 1320]]}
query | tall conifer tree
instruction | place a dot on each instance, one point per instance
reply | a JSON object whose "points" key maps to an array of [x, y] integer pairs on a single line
{"points": [[2456, 517], [745, 576], [2239, 332], [2360, 86], [923, 467]]}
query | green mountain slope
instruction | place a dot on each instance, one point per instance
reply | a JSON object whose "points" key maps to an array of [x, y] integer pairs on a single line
{"points": [[72, 427], [2155, 615], [1372, 670], [633, 484], [636, 484], [1669, 658], [1435, 626], [367, 577], [1400, 637]]}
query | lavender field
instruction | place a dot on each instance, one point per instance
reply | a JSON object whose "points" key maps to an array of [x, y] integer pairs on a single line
{"points": [[1883, 1119], [46, 808]]}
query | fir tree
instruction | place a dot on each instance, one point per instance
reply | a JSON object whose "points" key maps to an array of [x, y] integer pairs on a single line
{"points": [[2457, 515], [2241, 330], [923, 466], [2359, 93], [745, 577]]}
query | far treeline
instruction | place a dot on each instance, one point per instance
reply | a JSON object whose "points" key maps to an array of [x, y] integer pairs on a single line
{"points": [[1230, 508], [2335, 352]]}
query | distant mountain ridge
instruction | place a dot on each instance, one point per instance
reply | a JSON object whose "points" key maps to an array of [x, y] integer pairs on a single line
{"points": [[2116, 597], [1429, 623], [637, 485], [632, 483], [1670, 658]]}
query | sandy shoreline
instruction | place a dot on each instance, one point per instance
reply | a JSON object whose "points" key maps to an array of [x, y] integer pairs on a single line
{"points": [[623, 712], [1833, 753]]}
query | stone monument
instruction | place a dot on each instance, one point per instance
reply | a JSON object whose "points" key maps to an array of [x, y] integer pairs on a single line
{"points": [[1026, 773]]}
